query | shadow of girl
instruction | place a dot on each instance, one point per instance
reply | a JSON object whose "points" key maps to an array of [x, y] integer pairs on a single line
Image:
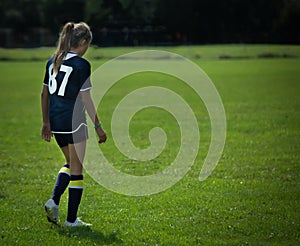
{"points": [[86, 233]]}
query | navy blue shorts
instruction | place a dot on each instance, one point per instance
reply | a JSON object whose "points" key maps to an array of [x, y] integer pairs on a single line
{"points": [[71, 138]]}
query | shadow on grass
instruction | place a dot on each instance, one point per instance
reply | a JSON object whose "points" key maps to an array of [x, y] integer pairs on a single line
{"points": [[90, 234]]}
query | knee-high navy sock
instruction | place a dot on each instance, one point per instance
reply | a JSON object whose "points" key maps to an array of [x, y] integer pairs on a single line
{"points": [[75, 193], [62, 182]]}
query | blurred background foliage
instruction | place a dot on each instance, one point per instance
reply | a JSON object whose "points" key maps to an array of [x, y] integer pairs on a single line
{"points": [[152, 22]]}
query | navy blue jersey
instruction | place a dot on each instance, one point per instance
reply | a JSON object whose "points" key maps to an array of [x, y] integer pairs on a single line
{"points": [[64, 87]]}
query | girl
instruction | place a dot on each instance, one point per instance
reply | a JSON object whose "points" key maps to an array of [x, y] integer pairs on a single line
{"points": [[67, 80]]}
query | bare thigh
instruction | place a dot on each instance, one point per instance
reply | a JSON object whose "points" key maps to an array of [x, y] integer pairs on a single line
{"points": [[76, 153], [66, 153]]}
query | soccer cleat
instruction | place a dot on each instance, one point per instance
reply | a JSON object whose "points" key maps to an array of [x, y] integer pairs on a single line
{"points": [[52, 211], [77, 223]]}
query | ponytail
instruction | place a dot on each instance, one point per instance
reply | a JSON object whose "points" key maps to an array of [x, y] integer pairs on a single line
{"points": [[64, 45], [70, 37]]}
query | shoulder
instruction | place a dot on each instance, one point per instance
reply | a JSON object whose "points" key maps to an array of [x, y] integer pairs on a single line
{"points": [[50, 61], [80, 62], [84, 61]]}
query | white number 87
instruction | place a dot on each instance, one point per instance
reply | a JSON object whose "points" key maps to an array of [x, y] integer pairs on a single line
{"points": [[53, 83]]}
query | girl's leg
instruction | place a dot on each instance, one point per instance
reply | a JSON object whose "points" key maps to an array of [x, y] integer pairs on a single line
{"points": [[62, 182], [76, 152], [63, 178]]}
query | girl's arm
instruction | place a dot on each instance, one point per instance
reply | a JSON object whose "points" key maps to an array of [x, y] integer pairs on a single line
{"points": [[90, 108], [46, 130]]}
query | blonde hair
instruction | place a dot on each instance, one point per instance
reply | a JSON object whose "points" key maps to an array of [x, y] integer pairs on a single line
{"points": [[70, 37]]}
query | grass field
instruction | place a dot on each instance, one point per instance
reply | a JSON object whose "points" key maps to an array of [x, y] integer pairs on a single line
{"points": [[251, 198]]}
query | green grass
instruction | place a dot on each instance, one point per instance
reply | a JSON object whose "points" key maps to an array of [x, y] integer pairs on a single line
{"points": [[251, 198], [242, 51]]}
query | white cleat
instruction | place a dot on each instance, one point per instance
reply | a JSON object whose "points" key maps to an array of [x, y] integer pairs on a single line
{"points": [[52, 211], [77, 223]]}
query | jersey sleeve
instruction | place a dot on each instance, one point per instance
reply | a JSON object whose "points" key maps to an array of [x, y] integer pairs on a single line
{"points": [[46, 77], [86, 77]]}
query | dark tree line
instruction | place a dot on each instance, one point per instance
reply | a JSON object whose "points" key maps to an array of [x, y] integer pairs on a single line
{"points": [[121, 22]]}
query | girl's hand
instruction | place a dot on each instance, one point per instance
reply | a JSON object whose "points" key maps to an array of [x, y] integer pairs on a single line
{"points": [[46, 132], [101, 134]]}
